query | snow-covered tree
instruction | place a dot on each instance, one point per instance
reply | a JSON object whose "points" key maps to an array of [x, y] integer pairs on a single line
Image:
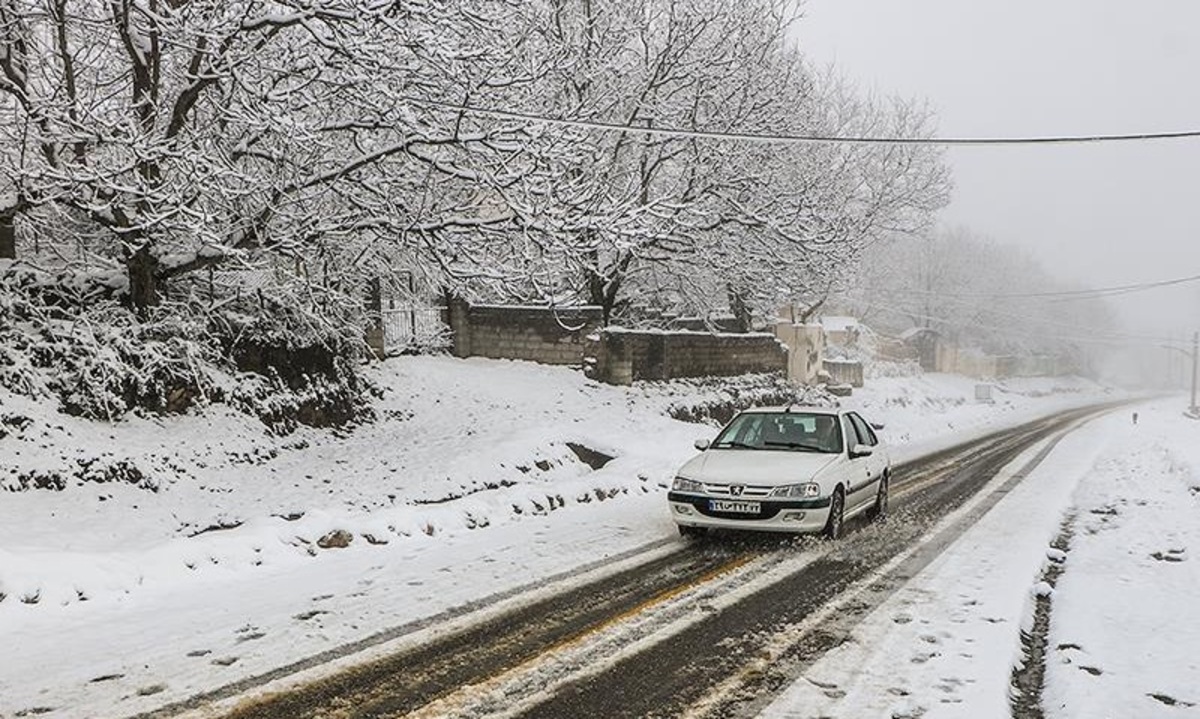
{"points": [[977, 291], [682, 221], [804, 213], [325, 143], [202, 131]]}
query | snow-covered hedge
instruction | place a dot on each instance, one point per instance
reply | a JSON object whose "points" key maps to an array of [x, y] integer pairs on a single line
{"points": [[715, 400], [60, 336]]}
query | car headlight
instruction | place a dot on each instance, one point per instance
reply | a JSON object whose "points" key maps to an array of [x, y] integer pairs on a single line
{"points": [[683, 484], [807, 489]]}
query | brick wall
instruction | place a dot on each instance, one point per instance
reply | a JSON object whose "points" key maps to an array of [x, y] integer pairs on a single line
{"points": [[621, 356], [536, 334]]}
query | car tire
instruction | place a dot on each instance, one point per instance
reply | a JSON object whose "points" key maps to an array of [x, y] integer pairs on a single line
{"points": [[837, 515], [878, 511], [691, 532]]}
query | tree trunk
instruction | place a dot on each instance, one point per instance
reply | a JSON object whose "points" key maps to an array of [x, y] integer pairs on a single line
{"points": [[603, 293], [8, 237], [812, 310], [739, 308], [604, 283], [142, 267], [595, 286]]}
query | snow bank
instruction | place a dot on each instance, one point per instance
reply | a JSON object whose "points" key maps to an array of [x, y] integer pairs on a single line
{"points": [[945, 643], [1125, 623], [927, 412]]}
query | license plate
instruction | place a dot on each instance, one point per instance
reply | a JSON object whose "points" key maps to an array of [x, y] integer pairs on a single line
{"points": [[721, 505]]}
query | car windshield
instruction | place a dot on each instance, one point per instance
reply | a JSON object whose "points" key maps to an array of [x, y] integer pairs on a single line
{"points": [[783, 431]]}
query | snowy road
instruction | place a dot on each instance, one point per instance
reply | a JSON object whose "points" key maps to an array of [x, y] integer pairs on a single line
{"points": [[707, 629]]}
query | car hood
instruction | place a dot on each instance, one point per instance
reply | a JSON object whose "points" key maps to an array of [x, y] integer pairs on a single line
{"points": [[755, 466]]}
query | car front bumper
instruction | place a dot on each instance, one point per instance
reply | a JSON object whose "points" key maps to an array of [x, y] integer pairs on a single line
{"points": [[798, 515]]}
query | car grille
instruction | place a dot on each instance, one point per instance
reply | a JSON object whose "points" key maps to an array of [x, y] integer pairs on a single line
{"points": [[749, 491]]}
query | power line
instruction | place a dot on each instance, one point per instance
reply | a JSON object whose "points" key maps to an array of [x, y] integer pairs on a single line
{"points": [[1034, 326], [1041, 324], [797, 139], [1092, 293], [1111, 340]]}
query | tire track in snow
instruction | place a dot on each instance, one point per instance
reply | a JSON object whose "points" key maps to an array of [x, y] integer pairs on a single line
{"points": [[585, 616], [209, 703], [670, 677], [412, 678]]}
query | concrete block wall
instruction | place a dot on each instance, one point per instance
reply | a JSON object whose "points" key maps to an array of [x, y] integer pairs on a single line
{"points": [[620, 356], [536, 334], [845, 372]]}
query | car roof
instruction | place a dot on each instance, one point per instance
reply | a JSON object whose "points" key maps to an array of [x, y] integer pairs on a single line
{"points": [[797, 409]]}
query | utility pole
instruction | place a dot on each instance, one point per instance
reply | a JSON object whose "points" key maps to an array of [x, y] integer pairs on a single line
{"points": [[1195, 362], [1194, 356]]}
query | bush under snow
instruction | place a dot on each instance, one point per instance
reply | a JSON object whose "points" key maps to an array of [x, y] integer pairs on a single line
{"points": [[62, 336]]}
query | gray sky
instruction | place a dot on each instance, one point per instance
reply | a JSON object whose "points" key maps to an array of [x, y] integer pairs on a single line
{"points": [[1100, 215]]}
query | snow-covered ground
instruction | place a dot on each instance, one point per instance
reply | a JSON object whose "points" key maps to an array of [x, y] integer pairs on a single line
{"points": [[190, 555], [1124, 623]]}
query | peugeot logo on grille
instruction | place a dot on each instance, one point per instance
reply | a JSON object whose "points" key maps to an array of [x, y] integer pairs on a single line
{"points": [[735, 490]]}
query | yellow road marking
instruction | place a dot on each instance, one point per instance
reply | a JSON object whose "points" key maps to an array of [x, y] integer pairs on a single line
{"points": [[438, 707]]}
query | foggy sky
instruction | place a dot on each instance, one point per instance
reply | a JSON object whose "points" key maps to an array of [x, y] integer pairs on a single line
{"points": [[1093, 214]]}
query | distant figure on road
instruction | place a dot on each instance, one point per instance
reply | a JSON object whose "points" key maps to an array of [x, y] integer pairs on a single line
{"points": [[1135, 417]]}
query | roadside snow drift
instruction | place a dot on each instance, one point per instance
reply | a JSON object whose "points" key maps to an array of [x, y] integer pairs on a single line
{"points": [[1123, 620]]}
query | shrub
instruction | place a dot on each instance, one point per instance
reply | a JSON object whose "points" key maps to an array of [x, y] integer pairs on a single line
{"points": [[272, 357]]}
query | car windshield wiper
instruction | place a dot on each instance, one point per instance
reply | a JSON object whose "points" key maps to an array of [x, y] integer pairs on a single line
{"points": [[797, 445], [734, 443]]}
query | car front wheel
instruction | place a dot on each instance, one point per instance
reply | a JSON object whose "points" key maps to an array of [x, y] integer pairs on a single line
{"points": [[837, 510], [878, 510]]}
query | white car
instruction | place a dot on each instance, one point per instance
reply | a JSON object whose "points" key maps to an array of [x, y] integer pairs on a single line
{"points": [[804, 469]]}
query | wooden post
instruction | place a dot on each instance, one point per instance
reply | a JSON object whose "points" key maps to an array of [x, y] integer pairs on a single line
{"points": [[375, 333], [1195, 361], [412, 305], [8, 236]]}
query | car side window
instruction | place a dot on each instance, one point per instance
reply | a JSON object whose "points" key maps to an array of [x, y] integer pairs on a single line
{"points": [[866, 435], [850, 431]]}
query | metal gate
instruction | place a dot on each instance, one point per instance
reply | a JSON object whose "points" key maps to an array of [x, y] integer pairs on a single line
{"points": [[414, 329]]}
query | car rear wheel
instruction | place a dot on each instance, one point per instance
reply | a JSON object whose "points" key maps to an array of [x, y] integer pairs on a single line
{"points": [[837, 509], [691, 532], [878, 511]]}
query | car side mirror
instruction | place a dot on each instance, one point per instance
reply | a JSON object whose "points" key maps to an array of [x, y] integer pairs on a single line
{"points": [[861, 450], [702, 444], [877, 426]]}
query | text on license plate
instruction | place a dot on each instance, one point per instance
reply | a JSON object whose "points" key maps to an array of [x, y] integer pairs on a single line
{"points": [[722, 505]]}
